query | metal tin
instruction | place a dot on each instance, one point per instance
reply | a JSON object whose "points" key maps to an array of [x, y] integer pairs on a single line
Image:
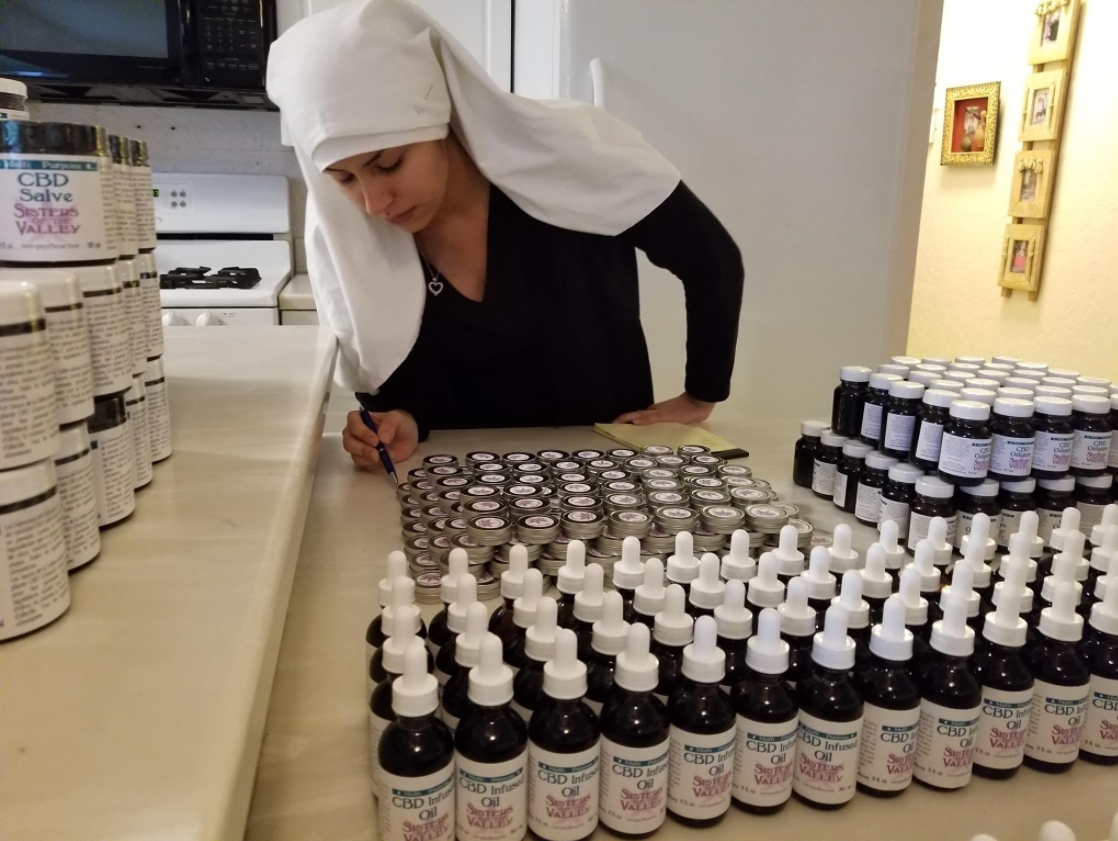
{"points": [[663, 485], [693, 450], [441, 471], [706, 540], [587, 455], [522, 506], [708, 496], [793, 510], [537, 529], [494, 479], [440, 460], [739, 481], [489, 467], [708, 460], [438, 548], [531, 479], [403, 491], [640, 464], [534, 550], [672, 462], [454, 527], [761, 483], [696, 470], [530, 467], [428, 588], [476, 553], [623, 502], [743, 497], [659, 542], [449, 498], [805, 531], [521, 491], [676, 518], [622, 486], [621, 453], [653, 450], [660, 473], [666, 499], [432, 513], [414, 546], [615, 476], [494, 507], [582, 524], [489, 530], [708, 482], [480, 457], [566, 466], [608, 545], [597, 465], [765, 518], [822, 537], [572, 476], [550, 457], [422, 563], [411, 515], [722, 518], [625, 523], [417, 474], [416, 529], [577, 489], [446, 483], [429, 498], [512, 459], [412, 501], [479, 492], [581, 503], [733, 470]]}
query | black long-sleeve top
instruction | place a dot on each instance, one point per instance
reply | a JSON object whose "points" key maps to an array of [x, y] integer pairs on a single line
{"points": [[557, 338]]}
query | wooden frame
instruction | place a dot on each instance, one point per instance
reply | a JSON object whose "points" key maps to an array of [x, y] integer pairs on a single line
{"points": [[1044, 106], [1022, 253], [970, 115], [1054, 32], [1031, 194]]}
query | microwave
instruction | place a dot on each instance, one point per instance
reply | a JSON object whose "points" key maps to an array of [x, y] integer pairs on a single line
{"points": [[208, 53]]}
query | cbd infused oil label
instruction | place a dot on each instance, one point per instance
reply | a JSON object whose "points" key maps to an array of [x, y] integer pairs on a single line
{"points": [[888, 748], [1056, 722], [700, 772], [418, 808], [634, 787], [563, 793], [945, 745], [826, 759], [763, 761], [1100, 732], [1002, 725], [492, 799]]}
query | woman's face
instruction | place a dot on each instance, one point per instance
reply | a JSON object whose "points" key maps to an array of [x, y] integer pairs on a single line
{"points": [[404, 185]]}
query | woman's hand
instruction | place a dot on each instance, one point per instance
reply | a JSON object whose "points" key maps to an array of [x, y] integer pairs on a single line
{"points": [[397, 430], [682, 409]]}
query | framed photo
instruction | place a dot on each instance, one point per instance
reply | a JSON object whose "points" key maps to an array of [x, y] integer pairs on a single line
{"points": [[1032, 181], [1021, 255], [1044, 106], [970, 125], [1055, 30]]}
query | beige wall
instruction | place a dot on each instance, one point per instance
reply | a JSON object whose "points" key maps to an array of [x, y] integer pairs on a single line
{"points": [[956, 305]]}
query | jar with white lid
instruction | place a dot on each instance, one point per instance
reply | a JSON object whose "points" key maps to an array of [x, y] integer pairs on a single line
{"points": [[159, 410], [993, 374], [1092, 495], [978, 395], [124, 194], [964, 457], [28, 409], [1033, 367], [61, 178], [1026, 383], [897, 495], [1090, 449], [135, 404], [933, 498], [826, 464], [1014, 498], [972, 500], [1014, 440], [114, 460], [81, 521], [136, 309], [13, 100], [1055, 437], [927, 434], [1052, 497], [1006, 360], [144, 196], [34, 585], [877, 395]]}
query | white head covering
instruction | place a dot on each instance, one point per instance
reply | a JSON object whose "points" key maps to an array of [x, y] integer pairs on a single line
{"points": [[375, 74]]}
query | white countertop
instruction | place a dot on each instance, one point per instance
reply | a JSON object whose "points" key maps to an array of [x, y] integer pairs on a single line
{"points": [[297, 295], [139, 714], [313, 782]]}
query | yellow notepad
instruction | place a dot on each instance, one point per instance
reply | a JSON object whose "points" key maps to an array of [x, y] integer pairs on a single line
{"points": [[673, 435]]}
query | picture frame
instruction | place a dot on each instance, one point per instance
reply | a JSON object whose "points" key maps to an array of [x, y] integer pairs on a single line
{"points": [[970, 125], [1054, 33], [1043, 111], [1022, 251], [1031, 193]]}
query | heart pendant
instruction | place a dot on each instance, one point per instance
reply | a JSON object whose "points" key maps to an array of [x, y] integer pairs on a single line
{"points": [[436, 286]]}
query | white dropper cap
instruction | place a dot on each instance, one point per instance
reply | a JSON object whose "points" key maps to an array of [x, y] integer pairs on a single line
{"points": [[572, 573], [1019, 545], [397, 567], [820, 583], [831, 647], [1105, 548], [628, 573], [708, 589], [1104, 613], [765, 589], [797, 617], [962, 585], [888, 539], [610, 632], [465, 594], [588, 601], [539, 640], [767, 653], [683, 566], [985, 547], [850, 599], [924, 563], [916, 607], [1061, 622], [1004, 626], [937, 533], [404, 624], [458, 564], [564, 677], [648, 598], [1069, 522], [1064, 570], [490, 683], [951, 635], [891, 640], [402, 593], [1074, 545], [1055, 831], [876, 582], [415, 692], [672, 625], [467, 648], [1028, 528], [1109, 518], [512, 579], [703, 660], [737, 565], [734, 619], [843, 556], [790, 557], [973, 556], [524, 608], [637, 669]]}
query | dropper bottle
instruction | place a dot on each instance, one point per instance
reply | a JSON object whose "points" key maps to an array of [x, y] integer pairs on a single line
{"points": [[798, 624], [765, 589], [467, 654], [976, 547], [735, 623], [822, 586], [877, 584], [707, 590], [895, 556], [404, 622], [523, 617], [564, 751], [512, 588], [648, 600], [736, 564], [491, 753], [843, 555], [1064, 568], [1061, 688], [1025, 593], [830, 729], [1101, 556], [671, 632], [916, 618], [962, 579], [703, 730], [931, 578], [790, 560], [376, 634], [1069, 522], [892, 705], [952, 699], [1099, 650], [635, 742], [1109, 518], [588, 609], [539, 647], [416, 756], [1019, 543], [1007, 684], [403, 599], [767, 721], [608, 639], [942, 549], [683, 566], [628, 574], [570, 581], [857, 612], [439, 634], [464, 596]]}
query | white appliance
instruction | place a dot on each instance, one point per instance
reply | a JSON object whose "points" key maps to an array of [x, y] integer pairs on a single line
{"points": [[208, 224]]}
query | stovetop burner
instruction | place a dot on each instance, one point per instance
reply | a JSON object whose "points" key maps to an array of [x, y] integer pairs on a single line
{"points": [[230, 277]]}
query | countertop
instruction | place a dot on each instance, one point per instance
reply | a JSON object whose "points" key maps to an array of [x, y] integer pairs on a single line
{"points": [[313, 780], [296, 294], [139, 714]]}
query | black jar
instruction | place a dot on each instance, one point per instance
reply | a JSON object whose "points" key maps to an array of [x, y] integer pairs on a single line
{"points": [[1011, 455], [1014, 498], [899, 419], [850, 394], [1092, 495], [873, 411], [976, 499], [1090, 451], [1052, 497], [826, 464], [933, 497], [927, 434], [964, 457], [807, 447], [896, 497], [1055, 437], [1112, 461], [848, 473]]}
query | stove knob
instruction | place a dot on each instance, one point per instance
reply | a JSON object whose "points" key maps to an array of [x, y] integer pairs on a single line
{"points": [[209, 319], [171, 319]]}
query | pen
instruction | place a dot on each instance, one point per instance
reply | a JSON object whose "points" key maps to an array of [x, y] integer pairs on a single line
{"points": [[389, 467]]}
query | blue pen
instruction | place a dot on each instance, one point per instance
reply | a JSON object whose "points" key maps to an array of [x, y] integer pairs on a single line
{"points": [[385, 459]]}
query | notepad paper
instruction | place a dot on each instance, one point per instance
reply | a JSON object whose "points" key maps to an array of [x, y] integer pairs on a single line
{"points": [[674, 435]]}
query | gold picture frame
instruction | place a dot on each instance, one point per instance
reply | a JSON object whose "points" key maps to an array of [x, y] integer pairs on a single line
{"points": [[970, 125], [1022, 251], [1043, 111], [1054, 33], [1031, 194]]}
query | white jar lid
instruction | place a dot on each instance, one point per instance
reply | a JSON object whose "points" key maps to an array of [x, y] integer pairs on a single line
{"points": [[905, 473], [972, 360], [958, 376], [154, 370], [936, 360], [1033, 366], [907, 361], [1053, 391], [25, 483], [1056, 406], [1005, 360], [11, 86], [883, 381], [982, 382], [72, 440], [906, 391], [1103, 481], [1090, 404], [925, 378], [854, 374], [934, 487], [879, 461], [1024, 486], [1029, 374], [1084, 380], [1012, 408], [1093, 390], [1062, 382], [979, 395], [20, 303], [1021, 382], [830, 439], [947, 385], [856, 449], [963, 365], [56, 288], [1015, 393], [812, 428], [986, 488], [1066, 484], [970, 410], [940, 397], [993, 374], [886, 368]]}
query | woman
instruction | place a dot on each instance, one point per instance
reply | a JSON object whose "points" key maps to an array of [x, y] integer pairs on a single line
{"points": [[474, 251]]}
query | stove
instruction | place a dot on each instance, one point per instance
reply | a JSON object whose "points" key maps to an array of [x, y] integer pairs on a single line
{"points": [[199, 277]]}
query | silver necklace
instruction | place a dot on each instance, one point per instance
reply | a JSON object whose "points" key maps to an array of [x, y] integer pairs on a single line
{"points": [[434, 277]]}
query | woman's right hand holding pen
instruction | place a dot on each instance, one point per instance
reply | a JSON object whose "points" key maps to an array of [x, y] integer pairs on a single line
{"points": [[398, 432]]}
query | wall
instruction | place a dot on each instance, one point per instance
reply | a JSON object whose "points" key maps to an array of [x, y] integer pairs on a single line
{"points": [[956, 305]]}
